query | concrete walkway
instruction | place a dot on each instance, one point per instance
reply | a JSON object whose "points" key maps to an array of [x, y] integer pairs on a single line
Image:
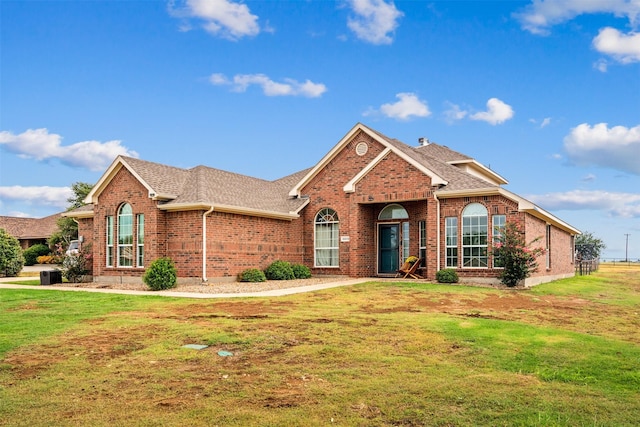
{"points": [[195, 295]]}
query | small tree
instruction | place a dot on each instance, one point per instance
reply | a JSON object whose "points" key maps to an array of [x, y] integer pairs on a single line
{"points": [[516, 258], [11, 259], [588, 247]]}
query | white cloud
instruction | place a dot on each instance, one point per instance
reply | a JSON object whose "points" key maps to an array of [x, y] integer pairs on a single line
{"points": [[454, 113], [615, 147], [374, 20], [39, 144], [47, 196], [407, 106], [224, 18], [545, 122], [588, 178], [625, 205], [540, 15], [497, 112], [288, 87], [625, 48], [601, 65]]}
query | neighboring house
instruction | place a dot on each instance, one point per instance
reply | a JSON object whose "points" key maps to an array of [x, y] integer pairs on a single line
{"points": [[30, 231], [367, 205]]}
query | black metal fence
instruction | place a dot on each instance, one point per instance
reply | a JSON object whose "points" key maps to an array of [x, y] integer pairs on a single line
{"points": [[584, 267]]}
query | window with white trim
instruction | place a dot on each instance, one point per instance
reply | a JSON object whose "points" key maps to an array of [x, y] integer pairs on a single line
{"points": [[326, 239], [393, 211], [498, 224], [406, 241], [125, 236], [422, 226], [109, 239], [451, 241], [474, 236], [140, 240]]}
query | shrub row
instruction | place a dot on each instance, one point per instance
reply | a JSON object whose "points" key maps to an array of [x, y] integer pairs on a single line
{"points": [[33, 252], [277, 270]]}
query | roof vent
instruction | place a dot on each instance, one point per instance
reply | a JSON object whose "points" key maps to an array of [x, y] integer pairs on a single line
{"points": [[423, 141]]}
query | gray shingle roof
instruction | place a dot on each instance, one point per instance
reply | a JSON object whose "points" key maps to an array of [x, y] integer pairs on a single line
{"points": [[30, 228], [435, 157]]}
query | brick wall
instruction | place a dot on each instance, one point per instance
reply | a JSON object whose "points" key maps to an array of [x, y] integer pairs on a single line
{"points": [[237, 242], [124, 188]]}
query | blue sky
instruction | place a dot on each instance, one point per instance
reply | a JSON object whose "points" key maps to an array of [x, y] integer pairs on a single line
{"points": [[546, 93]]}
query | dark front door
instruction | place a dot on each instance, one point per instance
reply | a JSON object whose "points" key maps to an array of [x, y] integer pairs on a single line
{"points": [[388, 248]]}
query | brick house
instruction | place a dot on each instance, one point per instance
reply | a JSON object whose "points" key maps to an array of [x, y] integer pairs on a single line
{"points": [[30, 231], [368, 204]]}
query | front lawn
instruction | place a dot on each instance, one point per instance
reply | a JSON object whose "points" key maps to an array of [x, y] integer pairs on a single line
{"points": [[377, 354]]}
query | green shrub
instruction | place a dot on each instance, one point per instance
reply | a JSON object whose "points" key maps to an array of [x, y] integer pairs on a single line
{"points": [[252, 275], [11, 259], [161, 275], [279, 270], [301, 271], [76, 266], [447, 275], [32, 253]]}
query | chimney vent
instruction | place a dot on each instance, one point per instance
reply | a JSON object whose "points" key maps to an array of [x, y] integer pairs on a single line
{"points": [[423, 141]]}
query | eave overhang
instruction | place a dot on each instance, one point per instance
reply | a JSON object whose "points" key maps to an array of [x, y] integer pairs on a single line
{"points": [[524, 205], [296, 191], [176, 207]]}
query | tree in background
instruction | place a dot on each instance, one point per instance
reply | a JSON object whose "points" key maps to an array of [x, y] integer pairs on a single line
{"points": [[588, 247], [67, 227], [11, 259]]}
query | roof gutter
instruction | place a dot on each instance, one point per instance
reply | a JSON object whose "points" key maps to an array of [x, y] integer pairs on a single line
{"points": [[204, 244]]}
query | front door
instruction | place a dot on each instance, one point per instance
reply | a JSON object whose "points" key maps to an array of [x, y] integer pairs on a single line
{"points": [[388, 248]]}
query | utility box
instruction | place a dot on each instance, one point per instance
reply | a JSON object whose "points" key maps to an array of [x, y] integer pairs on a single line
{"points": [[50, 277]]}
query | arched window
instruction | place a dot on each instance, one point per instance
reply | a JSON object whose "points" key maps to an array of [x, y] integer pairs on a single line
{"points": [[125, 236], [326, 238], [474, 236], [393, 211]]}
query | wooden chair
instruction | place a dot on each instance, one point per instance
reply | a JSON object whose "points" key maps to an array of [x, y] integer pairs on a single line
{"points": [[409, 270]]}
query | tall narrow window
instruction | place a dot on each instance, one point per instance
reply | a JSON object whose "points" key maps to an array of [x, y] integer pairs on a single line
{"points": [[125, 236], [548, 251], [140, 240], [406, 241], [499, 222], [422, 225], [326, 238], [451, 241], [474, 236], [109, 241]]}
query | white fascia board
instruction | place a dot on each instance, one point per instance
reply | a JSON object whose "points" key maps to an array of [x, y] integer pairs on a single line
{"points": [[535, 210], [229, 209], [111, 171], [295, 192], [524, 205], [83, 214], [483, 170], [350, 187]]}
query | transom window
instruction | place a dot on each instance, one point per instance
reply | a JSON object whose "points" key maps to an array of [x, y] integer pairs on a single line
{"points": [[326, 238], [393, 211], [474, 236]]}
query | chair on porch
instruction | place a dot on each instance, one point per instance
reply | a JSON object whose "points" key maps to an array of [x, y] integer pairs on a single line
{"points": [[409, 269]]}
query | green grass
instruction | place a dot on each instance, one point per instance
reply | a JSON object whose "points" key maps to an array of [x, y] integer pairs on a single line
{"points": [[375, 354]]}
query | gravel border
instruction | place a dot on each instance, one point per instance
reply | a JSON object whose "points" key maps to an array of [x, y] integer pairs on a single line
{"points": [[211, 287]]}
